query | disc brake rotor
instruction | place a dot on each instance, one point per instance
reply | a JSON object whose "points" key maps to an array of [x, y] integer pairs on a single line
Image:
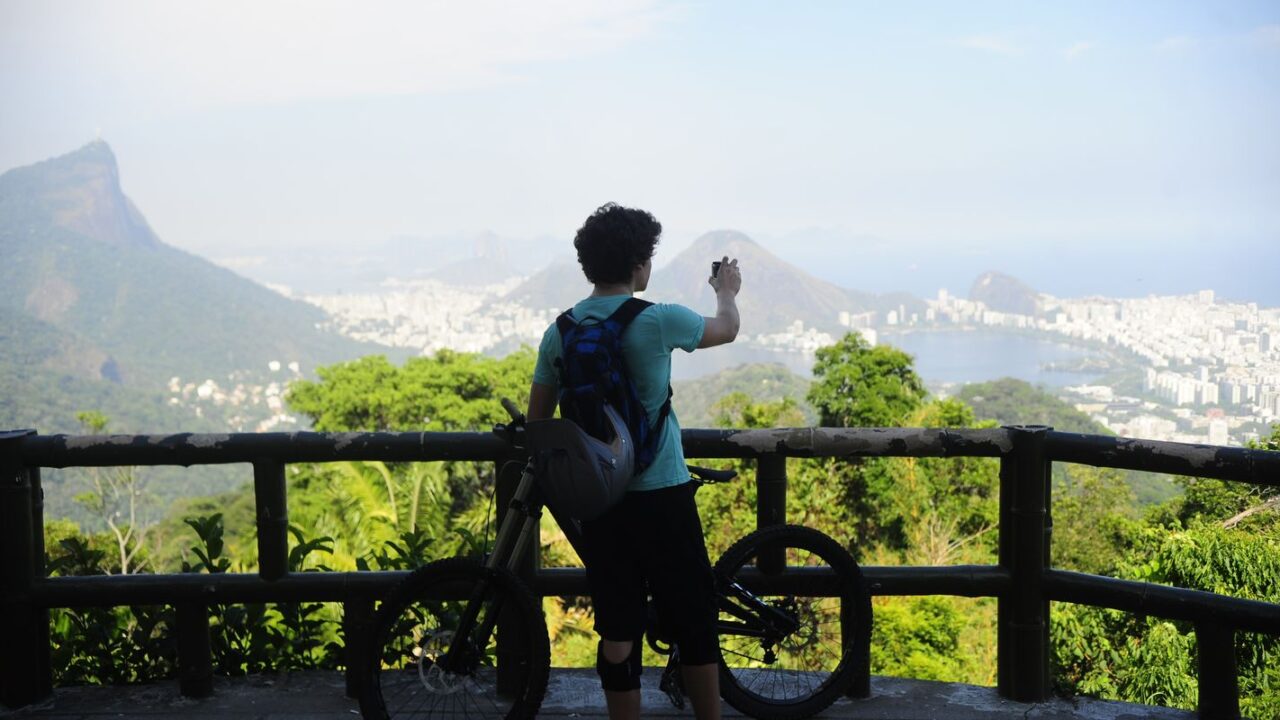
{"points": [[432, 676]]}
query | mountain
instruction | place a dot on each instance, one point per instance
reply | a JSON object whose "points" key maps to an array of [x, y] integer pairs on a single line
{"points": [[775, 293], [557, 286], [474, 271], [764, 382], [1004, 293], [94, 295], [1010, 401]]}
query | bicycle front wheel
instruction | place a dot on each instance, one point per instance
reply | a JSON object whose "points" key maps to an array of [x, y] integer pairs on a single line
{"points": [[794, 618], [435, 647]]}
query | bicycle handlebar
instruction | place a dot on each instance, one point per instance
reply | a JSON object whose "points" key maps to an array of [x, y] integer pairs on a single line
{"points": [[513, 410], [512, 432]]}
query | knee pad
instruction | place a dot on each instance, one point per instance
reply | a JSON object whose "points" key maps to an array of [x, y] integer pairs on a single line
{"points": [[619, 677]]}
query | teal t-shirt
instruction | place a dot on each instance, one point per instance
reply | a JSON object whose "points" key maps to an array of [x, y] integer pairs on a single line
{"points": [[646, 347]]}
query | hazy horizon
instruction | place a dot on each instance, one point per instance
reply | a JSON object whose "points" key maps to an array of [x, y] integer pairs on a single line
{"points": [[1089, 148]]}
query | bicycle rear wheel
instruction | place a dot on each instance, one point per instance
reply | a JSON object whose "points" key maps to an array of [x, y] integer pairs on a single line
{"points": [[426, 664], [794, 615]]}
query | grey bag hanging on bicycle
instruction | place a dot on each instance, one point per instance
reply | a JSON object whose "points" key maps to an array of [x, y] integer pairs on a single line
{"points": [[586, 460], [581, 476]]}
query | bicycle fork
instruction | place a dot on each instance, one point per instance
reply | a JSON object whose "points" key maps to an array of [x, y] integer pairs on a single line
{"points": [[754, 618]]}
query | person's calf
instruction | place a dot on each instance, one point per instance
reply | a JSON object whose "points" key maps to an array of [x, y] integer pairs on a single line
{"points": [[702, 685]]}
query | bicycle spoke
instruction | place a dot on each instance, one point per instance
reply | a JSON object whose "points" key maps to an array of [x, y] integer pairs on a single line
{"points": [[786, 651], [431, 666]]}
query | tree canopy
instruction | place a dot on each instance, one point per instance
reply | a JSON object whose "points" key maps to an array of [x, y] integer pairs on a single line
{"points": [[856, 385], [448, 391]]}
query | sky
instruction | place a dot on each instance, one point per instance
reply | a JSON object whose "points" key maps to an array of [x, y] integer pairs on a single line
{"points": [[880, 145]]}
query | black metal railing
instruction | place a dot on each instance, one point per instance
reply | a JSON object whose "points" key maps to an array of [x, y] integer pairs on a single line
{"points": [[1023, 581]]}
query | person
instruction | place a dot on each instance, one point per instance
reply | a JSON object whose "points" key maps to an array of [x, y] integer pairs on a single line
{"points": [[651, 541]]}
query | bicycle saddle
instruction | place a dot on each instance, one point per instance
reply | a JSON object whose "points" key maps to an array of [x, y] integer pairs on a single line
{"points": [[707, 475]]}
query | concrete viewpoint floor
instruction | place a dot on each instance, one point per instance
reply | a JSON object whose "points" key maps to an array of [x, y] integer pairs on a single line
{"points": [[571, 693]]}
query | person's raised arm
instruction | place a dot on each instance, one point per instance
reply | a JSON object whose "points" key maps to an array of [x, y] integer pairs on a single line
{"points": [[723, 328], [542, 402]]}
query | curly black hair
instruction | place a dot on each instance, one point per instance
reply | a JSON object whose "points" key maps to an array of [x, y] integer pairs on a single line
{"points": [[614, 241]]}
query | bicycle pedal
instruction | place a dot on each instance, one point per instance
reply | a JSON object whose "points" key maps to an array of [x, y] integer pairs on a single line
{"points": [[673, 685]]}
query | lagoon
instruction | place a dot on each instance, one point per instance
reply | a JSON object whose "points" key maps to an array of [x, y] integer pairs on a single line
{"points": [[942, 357]]}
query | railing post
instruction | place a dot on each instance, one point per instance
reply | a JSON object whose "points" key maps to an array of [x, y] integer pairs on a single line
{"points": [[860, 643], [23, 660], [357, 631], [1023, 623], [273, 519], [195, 653], [1216, 658], [771, 504], [509, 646], [44, 661]]}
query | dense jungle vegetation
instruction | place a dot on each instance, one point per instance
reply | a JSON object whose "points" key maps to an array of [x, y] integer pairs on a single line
{"points": [[1215, 536]]}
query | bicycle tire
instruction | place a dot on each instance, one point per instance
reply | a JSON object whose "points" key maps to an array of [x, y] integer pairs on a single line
{"points": [[815, 663], [417, 623]]}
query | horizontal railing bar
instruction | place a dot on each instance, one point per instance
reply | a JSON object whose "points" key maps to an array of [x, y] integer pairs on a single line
{"points": [[963, 580], [1243, 464], [1260, 467], [1163, 601], [960, 580], [114, 590], [212, 449], [167, 589], [194, 449], [846, 442]]}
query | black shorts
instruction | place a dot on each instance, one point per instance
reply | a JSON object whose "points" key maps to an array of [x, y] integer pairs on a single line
{"points": [[651, 542]]}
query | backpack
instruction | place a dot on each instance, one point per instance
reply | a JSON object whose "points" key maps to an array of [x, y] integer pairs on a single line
{"points": [[586, 459]]}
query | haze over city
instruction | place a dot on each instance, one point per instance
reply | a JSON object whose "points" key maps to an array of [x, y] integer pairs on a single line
{"points": [[882, 147]]}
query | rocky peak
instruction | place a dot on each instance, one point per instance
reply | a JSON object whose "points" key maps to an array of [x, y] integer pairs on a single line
{"points": [[79, 192]]}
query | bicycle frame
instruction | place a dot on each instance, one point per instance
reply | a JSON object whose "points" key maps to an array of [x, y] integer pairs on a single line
{"points": [[756, 619], [520, 526], [494, 602]]}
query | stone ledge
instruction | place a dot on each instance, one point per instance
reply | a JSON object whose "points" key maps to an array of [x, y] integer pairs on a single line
{"points": [[319, 695]]}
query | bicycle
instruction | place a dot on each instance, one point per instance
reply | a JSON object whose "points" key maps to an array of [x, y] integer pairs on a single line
{"points": [[794, 623]]}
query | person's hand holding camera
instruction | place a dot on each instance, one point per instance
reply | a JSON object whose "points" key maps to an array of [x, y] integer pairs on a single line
{"points": [[725, 276]]}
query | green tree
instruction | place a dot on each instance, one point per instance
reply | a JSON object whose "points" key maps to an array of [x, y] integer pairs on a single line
{"points": [[930, 509], [364, 504], [1092, 520], [449, 391], [1220, 537], [119, 499], [907, 510], [856, 385]]}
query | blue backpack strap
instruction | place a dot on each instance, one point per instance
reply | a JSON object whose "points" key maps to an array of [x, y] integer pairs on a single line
{"points": [[623, 316], [565, 322]]}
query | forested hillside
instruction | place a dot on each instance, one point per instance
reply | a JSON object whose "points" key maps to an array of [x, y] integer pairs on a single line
{"points": [[1009, 401], [93, 296], [695, 400]]}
